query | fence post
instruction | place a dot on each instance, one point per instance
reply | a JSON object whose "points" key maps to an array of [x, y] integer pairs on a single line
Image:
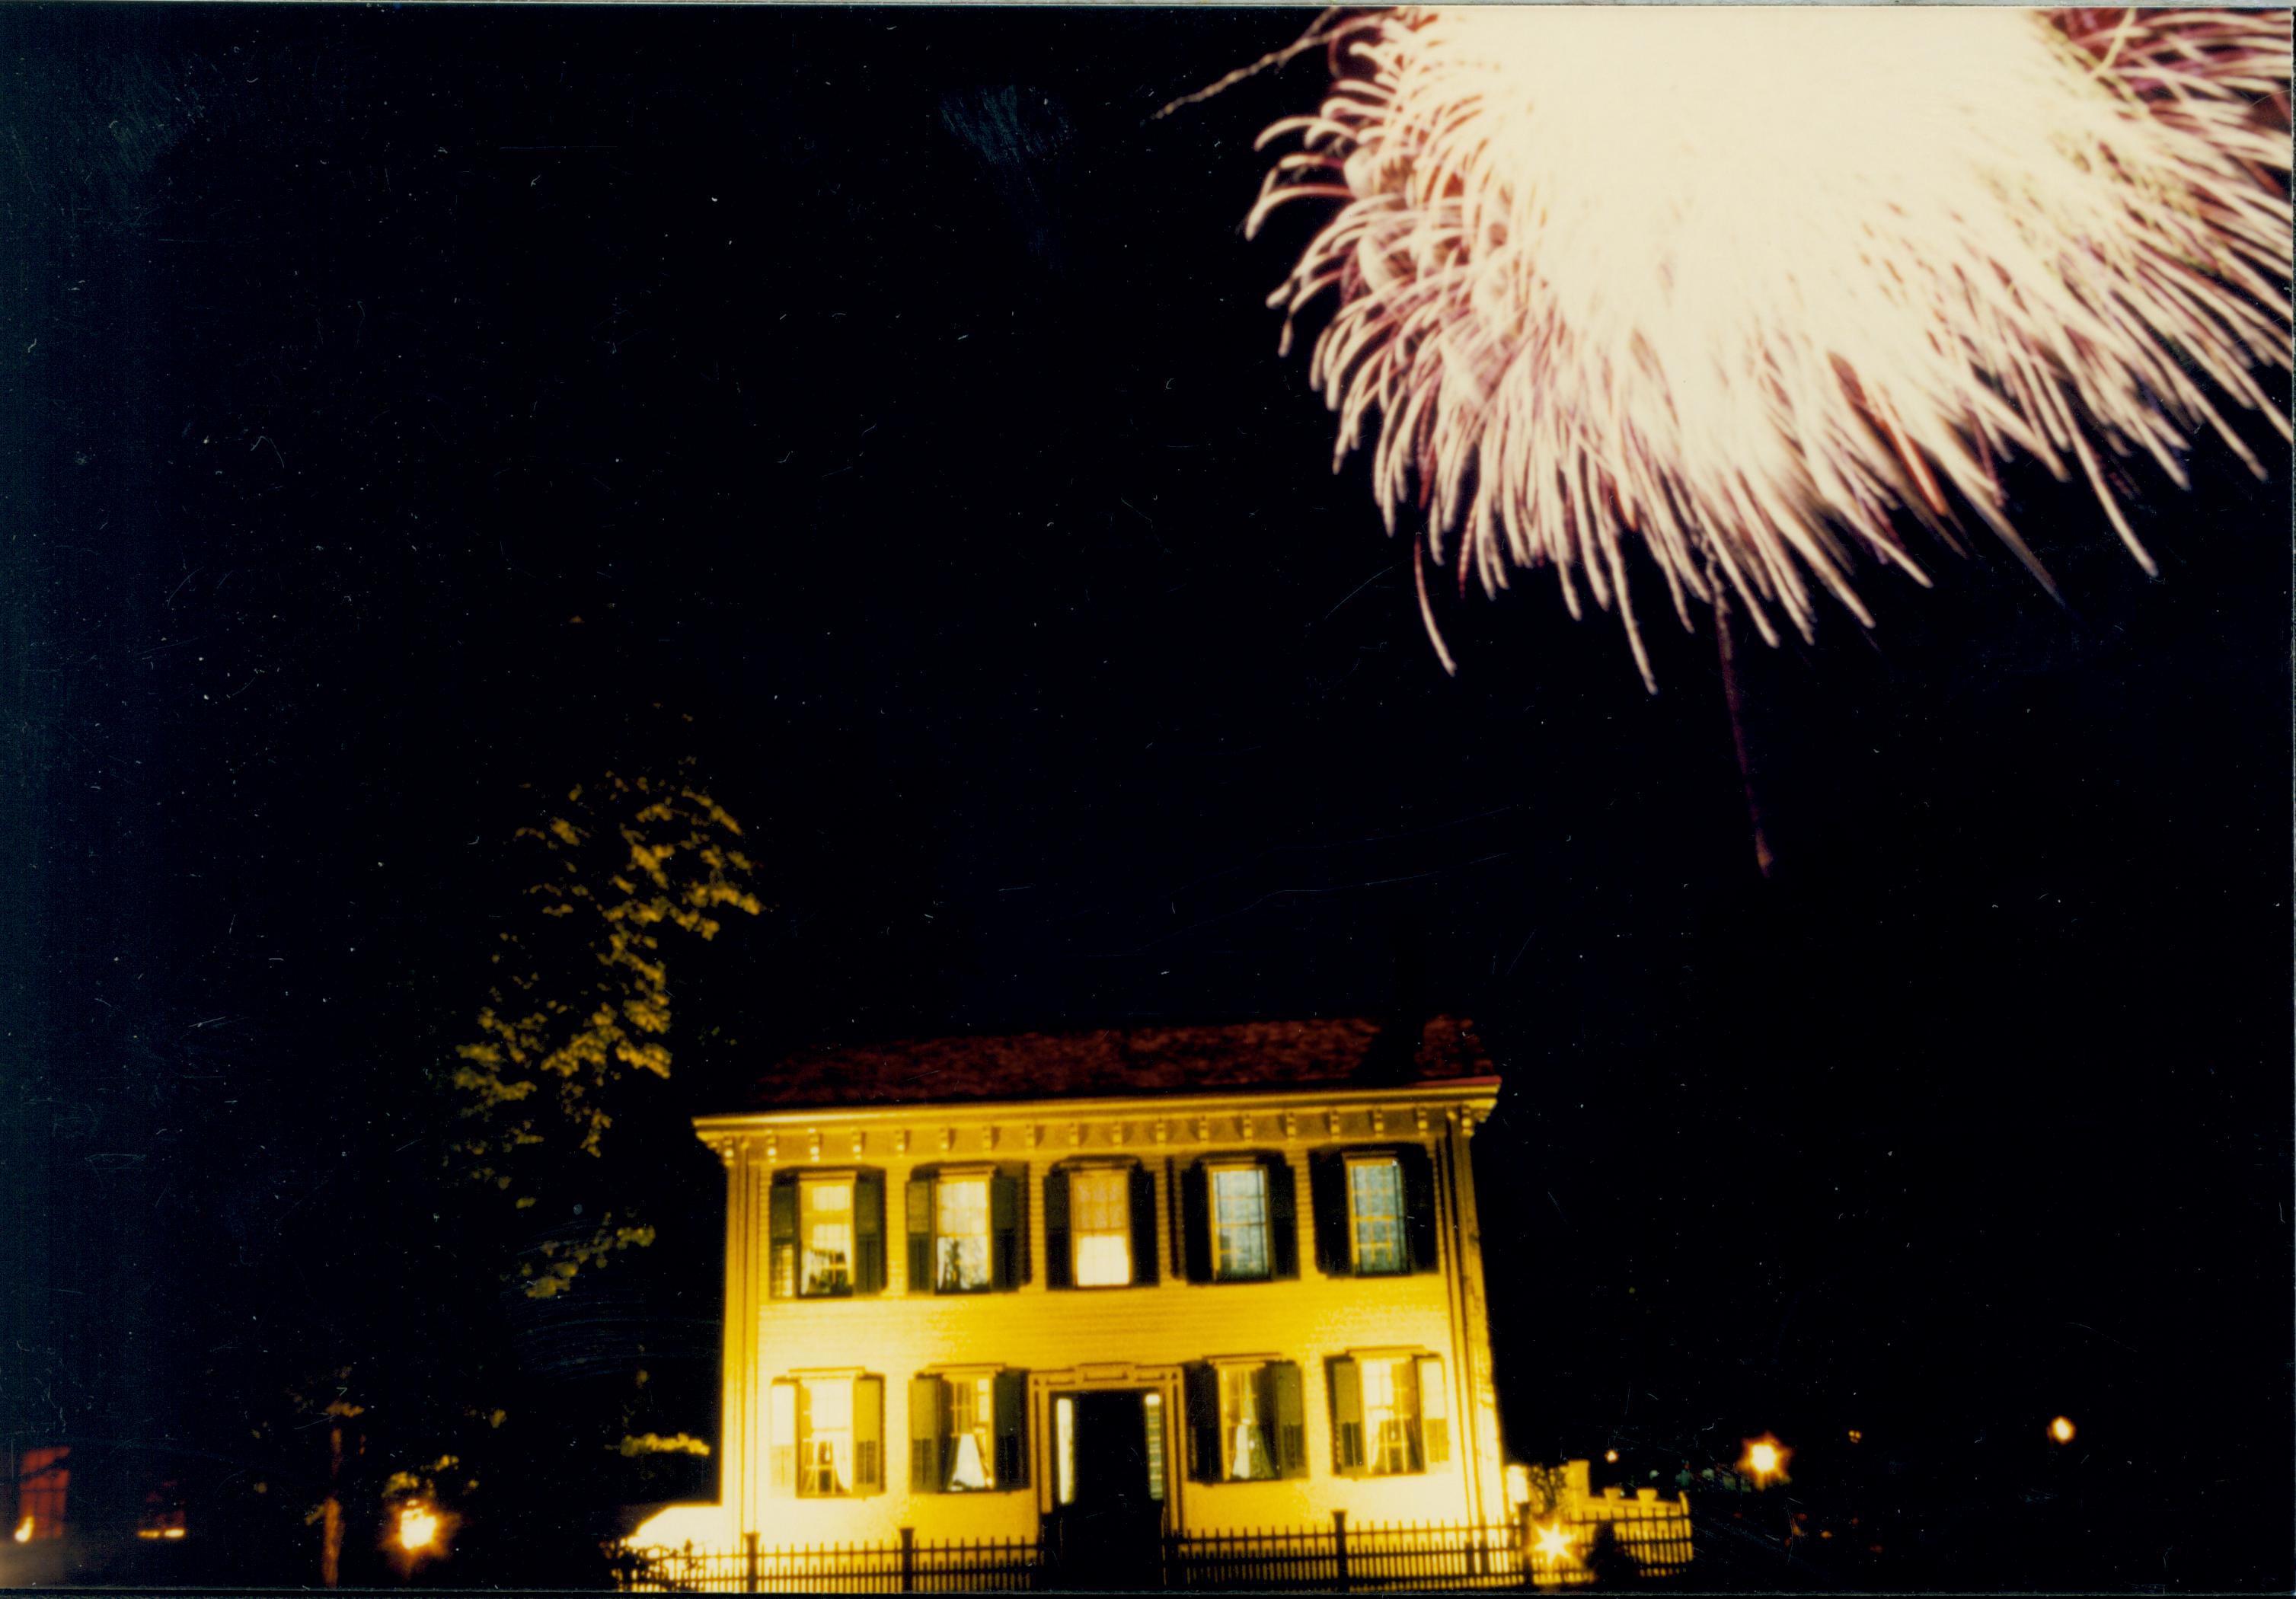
{"points": [[908, 1559], [749, 1562], [1339, 1547]]}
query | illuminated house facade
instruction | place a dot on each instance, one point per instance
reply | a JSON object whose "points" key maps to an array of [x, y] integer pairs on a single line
{"points": [[1105, 1286]]}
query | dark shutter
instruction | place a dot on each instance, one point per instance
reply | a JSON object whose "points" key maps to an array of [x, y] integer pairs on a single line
{"points": [[1347, 1418], [781, 1232], [1282, 1218], [868, 1435], [1195, 1222], [1419, 1207], [925, 1404], [1288, 1408], [1200, 1386], [1140, 1202], [921, 1231], [781, 1437], [869, 1232], [1327, 1191], [1006, 1238], [1434, 1414], [1057, 1274], [1011, 1430]]}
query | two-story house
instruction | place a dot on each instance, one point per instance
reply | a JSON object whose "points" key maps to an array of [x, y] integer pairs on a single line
{"points": [[1104, 1285]]}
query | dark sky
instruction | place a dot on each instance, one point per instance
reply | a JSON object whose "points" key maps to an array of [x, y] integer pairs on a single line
{"points": [[408, 406]]}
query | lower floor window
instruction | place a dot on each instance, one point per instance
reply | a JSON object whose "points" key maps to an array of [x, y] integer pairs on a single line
{"points": [[826, 1436], [1391, 1414], [967, 1431], [1245, 1421]]}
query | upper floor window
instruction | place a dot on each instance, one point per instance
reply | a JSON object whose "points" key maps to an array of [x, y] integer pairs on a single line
{"points": [[1238, 1219], [825, 1436], [965, 1231], [961, 1233], [1391, 1414], [1375, 1215], [1100, 1226], [827, 1234], [968, 1431], [1375, 1210], [1246, 1422]]}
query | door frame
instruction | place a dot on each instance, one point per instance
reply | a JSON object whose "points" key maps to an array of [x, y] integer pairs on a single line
{"points": [[1162, 1379]]}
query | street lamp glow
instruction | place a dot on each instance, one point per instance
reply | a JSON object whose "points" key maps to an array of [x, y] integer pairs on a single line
{"points": [[418, 1527], [24, 1530], [1610, 1456], [1765, 1460], [2062, 1429], [1555, 1542]]}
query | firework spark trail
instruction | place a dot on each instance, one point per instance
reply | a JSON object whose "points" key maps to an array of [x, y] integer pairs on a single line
{"points": [[1753, 286]]}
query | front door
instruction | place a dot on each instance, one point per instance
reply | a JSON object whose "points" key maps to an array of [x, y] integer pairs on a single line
{"points": [[1108, 1468]]}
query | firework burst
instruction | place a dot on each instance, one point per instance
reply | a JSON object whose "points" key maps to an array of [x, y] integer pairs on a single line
{"points": [[1757, 287]]}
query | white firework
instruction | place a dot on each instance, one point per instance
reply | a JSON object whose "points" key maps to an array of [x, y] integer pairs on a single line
{"points": [[1751, 286]]}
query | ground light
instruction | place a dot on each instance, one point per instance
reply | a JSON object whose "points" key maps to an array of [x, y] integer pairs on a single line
{"points": [[418, 1527], [1765, 1460]]}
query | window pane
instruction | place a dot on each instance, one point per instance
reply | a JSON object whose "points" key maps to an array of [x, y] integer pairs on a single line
{"points": [[1153, 1407], [826, 1444], [1100, 1228], [1244, 1434], [1375, 1202], [1390, 1404], [1239, 1222], [960, 1233], [825, 1228], [1064, 1448], [972, 1432]]}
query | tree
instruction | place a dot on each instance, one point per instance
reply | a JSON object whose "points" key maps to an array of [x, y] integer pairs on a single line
{"points": [[579, 1015]]}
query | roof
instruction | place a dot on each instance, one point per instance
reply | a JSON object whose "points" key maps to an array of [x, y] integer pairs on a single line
{"points": [[1241, 1057]]}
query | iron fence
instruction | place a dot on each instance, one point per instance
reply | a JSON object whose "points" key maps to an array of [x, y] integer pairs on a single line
{"points": [[1606, 1542]]}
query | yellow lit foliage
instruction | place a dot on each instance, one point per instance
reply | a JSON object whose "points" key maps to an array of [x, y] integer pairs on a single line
{"points": [[627, 861]]}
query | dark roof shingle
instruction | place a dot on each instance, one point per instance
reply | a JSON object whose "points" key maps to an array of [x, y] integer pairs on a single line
{"points": [[1112, 1061]]}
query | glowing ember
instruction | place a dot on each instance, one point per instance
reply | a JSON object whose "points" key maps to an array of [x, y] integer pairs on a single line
{"points": [[418, 1527], [1741, 285], [2062, 1429]]}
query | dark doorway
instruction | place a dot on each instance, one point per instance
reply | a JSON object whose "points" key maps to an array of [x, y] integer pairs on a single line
{"points": [[1110, 1484]]}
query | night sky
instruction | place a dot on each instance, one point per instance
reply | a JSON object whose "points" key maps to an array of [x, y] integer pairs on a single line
{"points": [[413, 411]]}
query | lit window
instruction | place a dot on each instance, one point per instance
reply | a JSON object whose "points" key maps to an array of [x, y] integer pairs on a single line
{"points": [[1100, 1226], [1391, 1414], [826, 1220], [960, 1233], [1152, 1408], [1064, 1448], [972, 1433], [1245, 1421], [1244, 1455], [1239, 1222], [1375, 1214], [825, 1434], [43, 1479], [1391, 1408]]}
